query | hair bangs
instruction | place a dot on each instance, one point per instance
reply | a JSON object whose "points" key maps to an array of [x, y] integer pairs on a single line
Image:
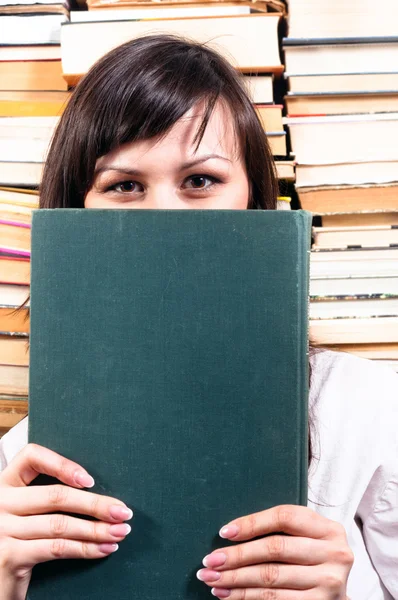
{"points": [[147, 102]]}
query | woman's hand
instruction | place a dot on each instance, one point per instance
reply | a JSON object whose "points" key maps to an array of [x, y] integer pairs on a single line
{"points": [[312, 562], [32, 530]]}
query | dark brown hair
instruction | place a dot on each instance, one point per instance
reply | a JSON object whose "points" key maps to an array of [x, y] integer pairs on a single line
{"points": [[139, 91]]}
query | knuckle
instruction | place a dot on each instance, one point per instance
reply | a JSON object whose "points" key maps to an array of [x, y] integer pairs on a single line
{"points": [[31, 450], [12, 562], [85, 550], [333, 580], [58, 548], [63, 469], [269, 574], [234, 576], [23, 573], [275, 547], [57, 495], [95, 533], [238, 554], [337, 529], [58, 525], [252, 525], [284, 516], [343, 555], [269, 595], [94, 505]]}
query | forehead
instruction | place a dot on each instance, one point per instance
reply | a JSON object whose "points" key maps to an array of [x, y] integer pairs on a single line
{"points": [[180, 141]]}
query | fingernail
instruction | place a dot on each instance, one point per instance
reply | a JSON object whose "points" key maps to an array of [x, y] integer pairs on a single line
{"points": [[120, 512], [208, 575], [108, 548], [220, 592], [120, 529], [84, 479], [229, 531], [214, 560]]}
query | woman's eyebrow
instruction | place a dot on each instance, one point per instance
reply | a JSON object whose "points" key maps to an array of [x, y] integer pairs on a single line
{"points": [[120, 168], [203, 158], [137, 173]]}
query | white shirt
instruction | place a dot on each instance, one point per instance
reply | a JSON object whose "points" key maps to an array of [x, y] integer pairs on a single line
{"points": [[354, 477]]}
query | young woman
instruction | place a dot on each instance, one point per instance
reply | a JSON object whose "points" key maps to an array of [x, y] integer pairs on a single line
{"points": [[162, 123]]}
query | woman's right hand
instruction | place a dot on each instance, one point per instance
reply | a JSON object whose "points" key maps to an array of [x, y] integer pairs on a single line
{"points": [[32, 530]]}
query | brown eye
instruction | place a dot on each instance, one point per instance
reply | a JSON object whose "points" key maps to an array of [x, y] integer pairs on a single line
{"points": [[126, 186], [200, 182]]}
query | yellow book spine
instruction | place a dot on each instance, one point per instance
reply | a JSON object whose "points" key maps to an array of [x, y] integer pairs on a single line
{"points": [[19, 190], [31, 202], [9, 108]]}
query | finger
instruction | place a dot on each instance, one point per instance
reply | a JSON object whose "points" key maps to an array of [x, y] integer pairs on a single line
{"points": [[290, 519], [265, 575], [33, 552], [44, 499], [275, 548], [35, 459], [262, 594], [66, 527]]}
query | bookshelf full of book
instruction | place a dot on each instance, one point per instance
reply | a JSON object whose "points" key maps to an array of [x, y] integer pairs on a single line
{"points": [[33, 92], [340, 113]]}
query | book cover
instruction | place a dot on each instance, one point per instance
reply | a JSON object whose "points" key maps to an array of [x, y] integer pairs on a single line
{"points": [[169, 357]]}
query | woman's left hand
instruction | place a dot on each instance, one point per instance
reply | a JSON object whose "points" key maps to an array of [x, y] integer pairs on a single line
{"points": [[311, 562]]}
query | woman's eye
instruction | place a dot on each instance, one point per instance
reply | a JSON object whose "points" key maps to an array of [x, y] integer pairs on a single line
{"points": [[126, 186], [199, 182]]}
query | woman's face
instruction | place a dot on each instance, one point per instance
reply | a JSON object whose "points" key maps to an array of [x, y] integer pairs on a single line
{"points": [[172, 173]]}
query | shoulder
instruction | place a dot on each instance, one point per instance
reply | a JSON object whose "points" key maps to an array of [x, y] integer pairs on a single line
{"points": [[352, 382], [12, 442], [353, 400], [354, 408]]}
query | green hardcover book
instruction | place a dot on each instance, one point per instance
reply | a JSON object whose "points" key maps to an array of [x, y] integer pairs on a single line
{"points": [[169, 357]]}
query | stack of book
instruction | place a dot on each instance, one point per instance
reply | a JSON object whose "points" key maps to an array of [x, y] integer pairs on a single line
{"points": [[342, 108], [354, 300], [23, 145], [33, 93], [32, 88], [246, 33], [314, 19], [15, 219]]}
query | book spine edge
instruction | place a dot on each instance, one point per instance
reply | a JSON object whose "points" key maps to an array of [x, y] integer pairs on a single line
{"points": [[304, 245]]}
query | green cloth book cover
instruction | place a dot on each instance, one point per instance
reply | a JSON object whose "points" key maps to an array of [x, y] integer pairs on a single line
{"points": [[169, 355]]}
